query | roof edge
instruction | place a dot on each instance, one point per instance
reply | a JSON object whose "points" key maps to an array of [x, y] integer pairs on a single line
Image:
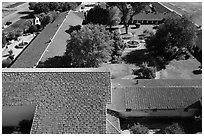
{"points": [[55, 70]]}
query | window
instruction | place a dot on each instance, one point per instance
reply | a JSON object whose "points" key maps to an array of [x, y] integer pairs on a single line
{"points": [[128, 110], [186, 110], [154, 110]]}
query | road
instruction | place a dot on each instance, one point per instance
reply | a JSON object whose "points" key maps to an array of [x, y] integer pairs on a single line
{"points": [[13, 17]]}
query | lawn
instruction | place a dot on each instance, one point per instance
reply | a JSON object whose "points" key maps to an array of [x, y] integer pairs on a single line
{"points": [[15, 5], [182, 69], [6, 12], [18, 24]]}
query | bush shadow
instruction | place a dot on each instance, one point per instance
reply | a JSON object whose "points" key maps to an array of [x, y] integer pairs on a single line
{"points": [[73, 28], [55, 62]]}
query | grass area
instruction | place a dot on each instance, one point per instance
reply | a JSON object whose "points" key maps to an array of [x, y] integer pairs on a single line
{"points": [[6, 12], [15, 4], [18, 24], [182, 69]]}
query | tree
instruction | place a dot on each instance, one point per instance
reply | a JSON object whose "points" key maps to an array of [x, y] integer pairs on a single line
{"points": [[118, 46], [53, 6], [139, 129], [32, 29], [41, 7], [12, 35], [19, 32], [46, 19], [32, 5], [128, 9], [172, 38], [113, 17], [89, 47], [98, 15], [174, 128], [65, 6]]}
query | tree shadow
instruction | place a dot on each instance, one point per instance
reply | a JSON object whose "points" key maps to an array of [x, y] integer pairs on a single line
{"points": [[197, 72], [25, 12], [138, 57], [55, 62], [73, 28]]}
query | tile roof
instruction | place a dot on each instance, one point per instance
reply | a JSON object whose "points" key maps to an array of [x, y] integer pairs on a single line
{"points": [[149, 16], [67, 102], [160, 8], [32, 53], [112, 122], [139, 98], [158, 82]]}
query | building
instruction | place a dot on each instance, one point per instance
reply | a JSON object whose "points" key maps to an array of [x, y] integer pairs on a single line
{"points": [[37, 21], [71, 101], [81, 101], [156, 101]]}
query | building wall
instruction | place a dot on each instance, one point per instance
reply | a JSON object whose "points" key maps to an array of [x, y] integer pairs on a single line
{"points": [[159, 113]]}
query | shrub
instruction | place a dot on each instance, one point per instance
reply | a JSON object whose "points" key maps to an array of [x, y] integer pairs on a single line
{"points": [[6, 62], [12, 35], [145, 72], [139, 129], [175, 128], [19, 32]]}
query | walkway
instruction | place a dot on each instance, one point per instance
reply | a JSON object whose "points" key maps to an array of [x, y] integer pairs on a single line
{"points": [[32, 53]]}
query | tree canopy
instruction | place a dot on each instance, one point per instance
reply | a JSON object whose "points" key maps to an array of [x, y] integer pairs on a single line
{"points": [[89, 47], [128, 9], [172, 38], [45, 7], [174, 128], [97, 15], [139, 129]]}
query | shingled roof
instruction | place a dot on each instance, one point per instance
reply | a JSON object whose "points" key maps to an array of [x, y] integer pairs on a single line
{"points": [[70, 101], [139, 98], [112, 122]]}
